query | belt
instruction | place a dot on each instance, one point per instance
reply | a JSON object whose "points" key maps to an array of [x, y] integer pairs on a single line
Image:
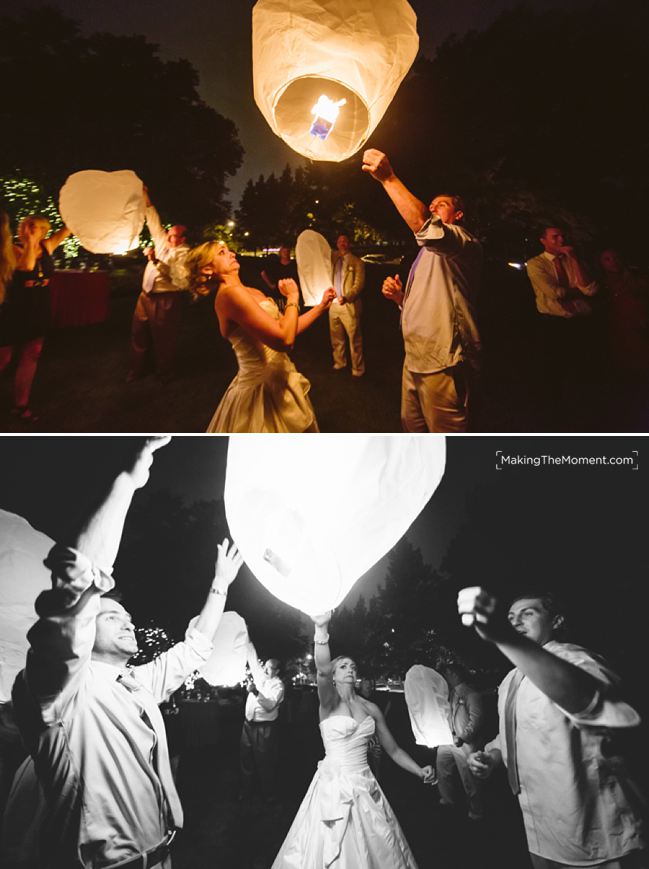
{"points": [[151, 858], [255, 723]]}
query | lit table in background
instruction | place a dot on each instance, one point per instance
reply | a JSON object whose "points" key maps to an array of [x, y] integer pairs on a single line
{"points": [[79, 298]]}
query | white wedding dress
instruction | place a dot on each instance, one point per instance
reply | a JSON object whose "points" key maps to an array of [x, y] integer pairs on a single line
{"points": [[345, 821]]}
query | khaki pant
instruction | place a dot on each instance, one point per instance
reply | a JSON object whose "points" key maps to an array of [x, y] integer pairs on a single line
{"points": [[436, 402], [345, 322], [156, 323], [452, 765]]}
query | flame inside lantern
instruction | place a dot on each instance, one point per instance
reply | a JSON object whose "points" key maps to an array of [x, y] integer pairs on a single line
{"points": [[324, 114]]}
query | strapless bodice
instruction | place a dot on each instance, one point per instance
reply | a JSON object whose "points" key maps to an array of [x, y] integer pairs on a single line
{"points": [[345, 741], [257, 361]]}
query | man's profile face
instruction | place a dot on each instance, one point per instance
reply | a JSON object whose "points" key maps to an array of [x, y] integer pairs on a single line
{"points": [[271, 667], [529, 617], [445, 209], [552, 240], [115, 634]]}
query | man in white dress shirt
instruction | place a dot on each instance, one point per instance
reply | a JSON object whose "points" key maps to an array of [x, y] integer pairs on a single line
{"points": [[91, 724], [259, 745], [557, 709], [158, 313]]}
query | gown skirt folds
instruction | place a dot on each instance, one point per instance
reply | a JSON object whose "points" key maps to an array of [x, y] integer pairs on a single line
{"points": [[268, 394], [345, 821]]}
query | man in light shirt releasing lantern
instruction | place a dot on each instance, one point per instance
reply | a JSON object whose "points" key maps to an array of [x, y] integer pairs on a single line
{"points": [[558, 709], [438, 307], [158, 314], [92, 725]]}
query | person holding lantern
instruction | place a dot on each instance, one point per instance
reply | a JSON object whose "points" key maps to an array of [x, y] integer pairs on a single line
{"points": [[27, 314], [438, 307], [268, 394], [92, 724], [345, 313], [158, 313], [345, 819]]}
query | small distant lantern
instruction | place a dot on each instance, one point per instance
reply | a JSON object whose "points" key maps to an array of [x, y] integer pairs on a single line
{"points": [[312, 515], [313, 258], [325, 71], [105, 210]]}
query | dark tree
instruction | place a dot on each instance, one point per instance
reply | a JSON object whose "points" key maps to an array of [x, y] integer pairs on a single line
{"points": [[109, 102]]}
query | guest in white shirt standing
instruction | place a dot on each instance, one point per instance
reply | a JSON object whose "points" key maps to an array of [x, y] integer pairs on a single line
{"points": [[158, 313], [91, 724], [259, 745], [345, 313], [558, 708]]}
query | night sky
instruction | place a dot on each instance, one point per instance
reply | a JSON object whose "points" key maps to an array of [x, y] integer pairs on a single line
{"points": [[566, 527], [216, 38]]}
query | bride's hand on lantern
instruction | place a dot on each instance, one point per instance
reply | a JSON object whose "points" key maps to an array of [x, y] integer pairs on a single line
{"points": [[323, 620], [376, 164], [228, 564], [289, 289]]}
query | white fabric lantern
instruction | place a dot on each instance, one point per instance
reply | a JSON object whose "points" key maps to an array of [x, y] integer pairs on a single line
{"points": [[105, 210], [23, 576], [313, 258], [426, 693], [311, 515], [325, 71], [227, 663]]}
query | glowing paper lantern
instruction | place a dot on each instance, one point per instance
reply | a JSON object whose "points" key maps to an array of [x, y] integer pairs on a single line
{"points": [[350, 55], [313, 258], [426, 693], [227, 663], [105, 210], [311, 515], [23, 576]]}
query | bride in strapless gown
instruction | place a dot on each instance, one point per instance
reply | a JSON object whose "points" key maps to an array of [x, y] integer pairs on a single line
{"points": [[268, 393], [345, 820]]}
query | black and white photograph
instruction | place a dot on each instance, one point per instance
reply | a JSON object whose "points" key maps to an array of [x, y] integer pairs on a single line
{"points": [[346, 651]]}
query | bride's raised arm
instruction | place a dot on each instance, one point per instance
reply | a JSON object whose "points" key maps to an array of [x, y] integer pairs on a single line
{"points": [[327, 694]]}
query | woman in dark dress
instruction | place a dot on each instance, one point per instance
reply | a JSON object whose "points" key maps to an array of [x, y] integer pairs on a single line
{"points": [[26, 312]]}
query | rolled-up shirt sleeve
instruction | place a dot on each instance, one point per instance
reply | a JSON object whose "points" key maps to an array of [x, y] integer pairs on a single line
{"points": [[61, 641], [444, 238], [169, 670]]}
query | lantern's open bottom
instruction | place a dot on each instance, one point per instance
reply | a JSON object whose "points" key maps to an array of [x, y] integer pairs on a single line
{"points": [[293, 119]]}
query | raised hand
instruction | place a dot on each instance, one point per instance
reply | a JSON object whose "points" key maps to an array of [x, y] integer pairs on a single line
{"points": [[139, 472], [376, 164], [228, 564], [288, 288], [479, 608], [323, 620]]}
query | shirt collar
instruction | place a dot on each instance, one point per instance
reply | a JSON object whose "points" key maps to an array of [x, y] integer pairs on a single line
{"points": [[550, 256], [107, 671]]}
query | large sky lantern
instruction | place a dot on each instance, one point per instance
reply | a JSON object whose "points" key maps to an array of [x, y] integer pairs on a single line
{"points": [[313, 258], [227, 663], [105, 210], [312, 515], [426, 695], [23, 576], [325, 71]]}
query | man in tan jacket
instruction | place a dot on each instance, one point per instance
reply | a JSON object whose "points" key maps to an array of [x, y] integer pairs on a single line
{"points": [[345, 313]]}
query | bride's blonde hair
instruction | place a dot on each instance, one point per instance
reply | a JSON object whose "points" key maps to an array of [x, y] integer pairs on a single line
{"points": [[197, 261], [7, 255]]}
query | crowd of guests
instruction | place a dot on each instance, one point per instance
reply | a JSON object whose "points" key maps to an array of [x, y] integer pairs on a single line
{"points": [[591, 330], [97, 788]]}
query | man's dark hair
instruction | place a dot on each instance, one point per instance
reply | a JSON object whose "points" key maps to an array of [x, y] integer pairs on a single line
{"points": [[552, 603], [114, 594]]}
